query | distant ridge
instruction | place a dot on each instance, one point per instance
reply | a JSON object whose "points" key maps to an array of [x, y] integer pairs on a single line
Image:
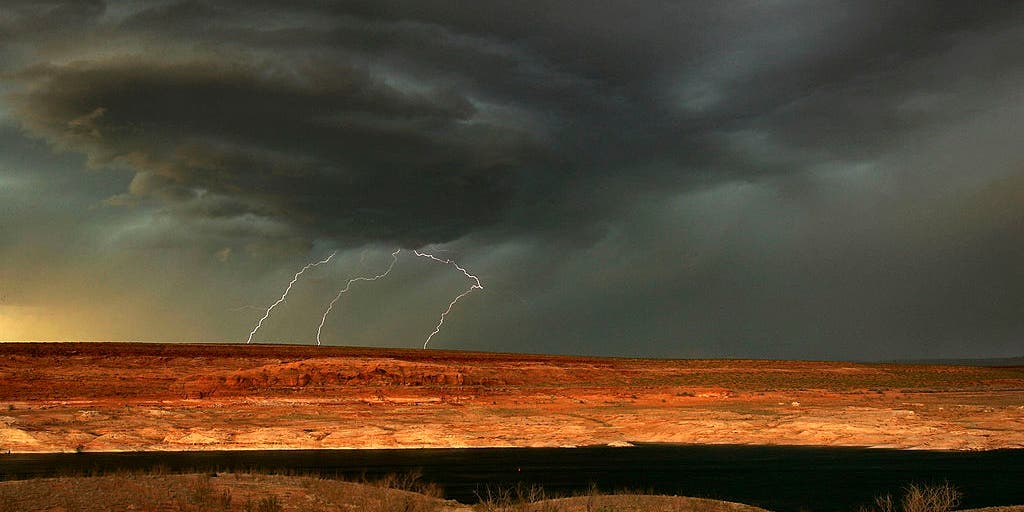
{"points": [[990, 361]]}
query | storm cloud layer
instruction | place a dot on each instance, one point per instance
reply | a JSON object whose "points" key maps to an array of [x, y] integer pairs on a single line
{"points": [[746, 179]]}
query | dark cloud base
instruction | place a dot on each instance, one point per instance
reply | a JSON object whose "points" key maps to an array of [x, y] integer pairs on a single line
{"points": [[786, 179]]}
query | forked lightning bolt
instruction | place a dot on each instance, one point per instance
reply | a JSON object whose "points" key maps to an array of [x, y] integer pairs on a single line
{"points": [[475, 286], [394, 258], [285, 294]]}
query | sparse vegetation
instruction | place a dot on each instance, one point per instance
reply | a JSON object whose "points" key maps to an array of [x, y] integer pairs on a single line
{"points": [[510, 499], [920, 498]]}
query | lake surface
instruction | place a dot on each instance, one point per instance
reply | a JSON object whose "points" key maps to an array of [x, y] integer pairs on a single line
{"points": [[773, 477]]}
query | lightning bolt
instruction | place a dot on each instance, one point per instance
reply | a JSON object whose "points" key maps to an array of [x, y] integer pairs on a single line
{"points": [[394, 258], [285, 294], [475, 286]]}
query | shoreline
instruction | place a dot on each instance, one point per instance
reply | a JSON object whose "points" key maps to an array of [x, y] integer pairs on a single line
{"points": [[212, 450]]}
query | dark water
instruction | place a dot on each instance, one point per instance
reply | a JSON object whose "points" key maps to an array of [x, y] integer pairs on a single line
{"points": [[777, 478]]}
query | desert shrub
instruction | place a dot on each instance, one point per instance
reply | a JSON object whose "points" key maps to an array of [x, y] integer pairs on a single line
{"points": [[920, 498], [518, 498], [410, 482], [938, 498]]}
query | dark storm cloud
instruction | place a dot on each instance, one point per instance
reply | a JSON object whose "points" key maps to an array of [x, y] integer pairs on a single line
{"points": [[741, 178], [420, 122], [33, 18], [326, 147]]}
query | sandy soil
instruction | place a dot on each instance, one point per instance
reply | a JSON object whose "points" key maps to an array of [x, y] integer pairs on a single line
{"points": [[116, 396]]}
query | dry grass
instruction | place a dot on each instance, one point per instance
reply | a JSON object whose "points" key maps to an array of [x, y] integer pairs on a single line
{"points": [[223, 493]]}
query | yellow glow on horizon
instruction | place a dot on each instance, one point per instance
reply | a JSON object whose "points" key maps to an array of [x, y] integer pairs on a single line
{"points": [[25, 323], [101, 321], [8, 324]]}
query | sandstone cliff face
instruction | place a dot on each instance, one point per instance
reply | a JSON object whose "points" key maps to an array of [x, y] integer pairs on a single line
{"points": [[327, 373], [320, 375], [199, 371]]}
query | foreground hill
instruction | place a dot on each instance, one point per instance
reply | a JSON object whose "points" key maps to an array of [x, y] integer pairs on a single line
{"points": [[275, 493], [228, 492], [133, 396]]}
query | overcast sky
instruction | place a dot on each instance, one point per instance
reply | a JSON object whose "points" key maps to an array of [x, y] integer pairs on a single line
{"points": [[769, 179]]}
